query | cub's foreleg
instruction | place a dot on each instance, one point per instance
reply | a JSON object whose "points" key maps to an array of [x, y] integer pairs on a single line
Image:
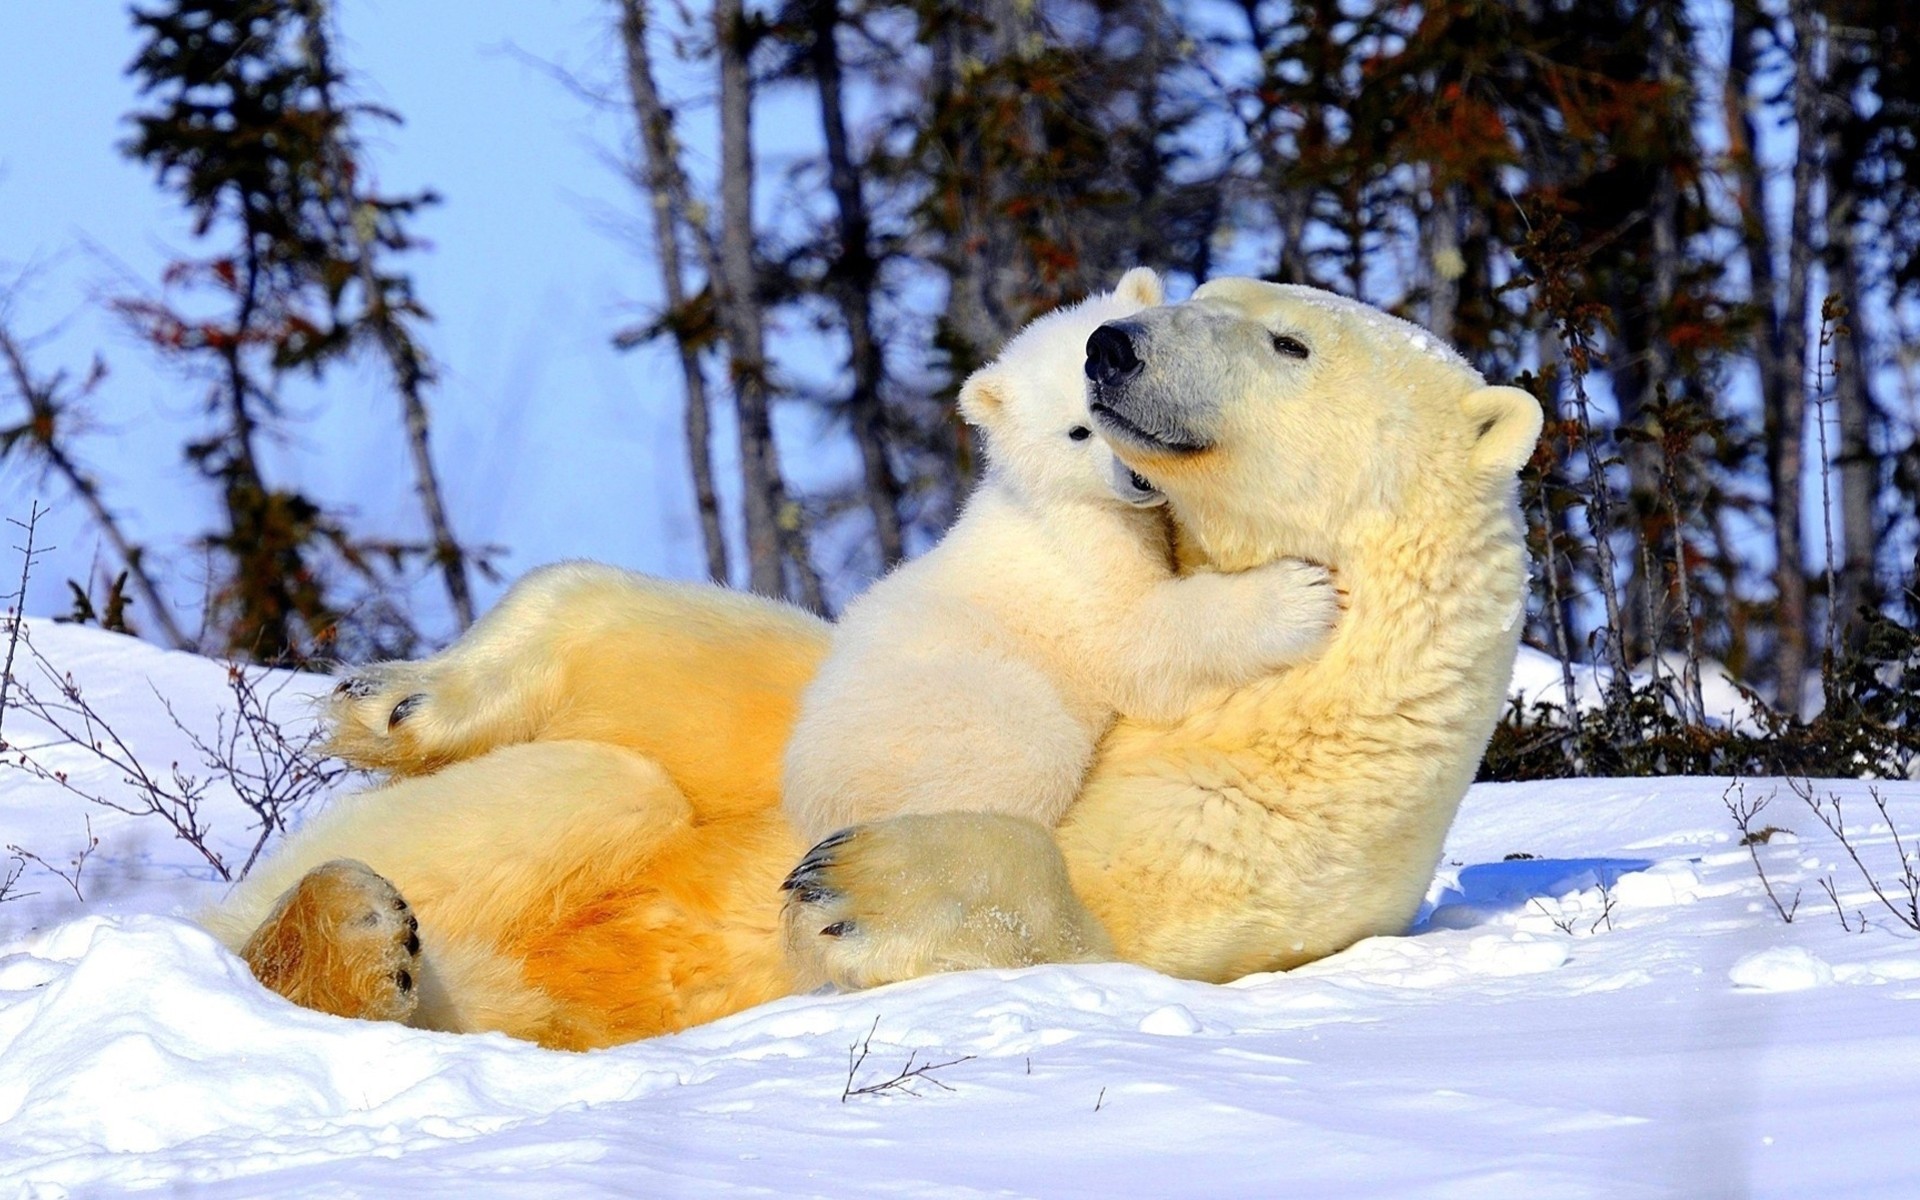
{"points": [[1196, 635]]}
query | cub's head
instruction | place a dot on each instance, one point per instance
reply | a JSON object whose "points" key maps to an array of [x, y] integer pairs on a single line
{"points": [[1288, 420], [1031, 403]]}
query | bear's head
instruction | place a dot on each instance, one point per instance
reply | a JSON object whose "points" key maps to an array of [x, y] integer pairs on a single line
{"points": [[1289, 420], [1030, 404]]}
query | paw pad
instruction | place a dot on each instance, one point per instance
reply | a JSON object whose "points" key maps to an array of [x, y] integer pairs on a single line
{"points": [[356, 687]]}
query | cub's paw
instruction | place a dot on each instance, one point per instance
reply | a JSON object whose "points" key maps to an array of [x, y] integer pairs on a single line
{"points": [[920, 894], [341, 941], [1302, 602]]}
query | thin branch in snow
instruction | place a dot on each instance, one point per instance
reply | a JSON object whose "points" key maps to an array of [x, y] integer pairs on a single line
{"points": [[1839, 910], [1906, 906], [1563, 924], [1743, 812], [71, 879], [17, 609], [1606, 910], [905, 1080], [272, 771], [10, 878]]}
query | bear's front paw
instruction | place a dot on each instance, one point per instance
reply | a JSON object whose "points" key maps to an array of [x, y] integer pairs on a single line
{"points": [[920, 894], [342, 941], [1302, 602]]}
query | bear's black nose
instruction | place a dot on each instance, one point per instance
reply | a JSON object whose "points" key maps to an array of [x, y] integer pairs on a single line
{"points": [[1110, 357]]}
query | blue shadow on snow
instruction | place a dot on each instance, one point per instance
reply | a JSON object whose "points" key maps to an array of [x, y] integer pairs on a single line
{"points": [[1484, 889]]}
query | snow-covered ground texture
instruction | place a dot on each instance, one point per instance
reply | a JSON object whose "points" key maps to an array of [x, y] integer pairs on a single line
{"points": [[1622, 1014]]}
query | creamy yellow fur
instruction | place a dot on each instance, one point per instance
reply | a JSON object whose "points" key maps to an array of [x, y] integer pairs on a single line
{"points": [[982, 675], [1305, 811], [581, 893]]}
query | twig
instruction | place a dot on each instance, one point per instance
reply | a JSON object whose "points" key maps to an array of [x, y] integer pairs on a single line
{"points": [[1833, 894], [272, 772], [17, 864], [1606, 911], [1907, 913], [1743, 813], [1563, 924], [72, 881], [1100, 1100], [17, 612], [902, 1081]]}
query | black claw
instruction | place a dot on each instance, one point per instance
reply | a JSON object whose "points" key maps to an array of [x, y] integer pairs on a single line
{"points": [[359, 687], [399, 904], [818, 859], [404, 709], [404, 979], [799, 876], [806, 884], [837, 929], [832, 840], [808, 892], [413, 923], [413, 943]]}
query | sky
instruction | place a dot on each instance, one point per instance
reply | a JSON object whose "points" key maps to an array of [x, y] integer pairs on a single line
{"points": [[551, 443]]}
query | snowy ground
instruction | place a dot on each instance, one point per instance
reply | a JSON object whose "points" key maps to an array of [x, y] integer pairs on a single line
{"points": [[1623, 1014]]}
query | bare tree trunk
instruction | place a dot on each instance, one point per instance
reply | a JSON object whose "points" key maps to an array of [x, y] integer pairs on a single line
{"points": [[1648, 365], [1442, 260], [977, 320], [852, 278], [1787, 419], [776, 538], [43, 407], [1859, 468], [410, 376], [666, 187]]}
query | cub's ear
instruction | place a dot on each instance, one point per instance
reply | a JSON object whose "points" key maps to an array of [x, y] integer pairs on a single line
{"points": [[1142, 286], [1506, 425], [983, 398]]}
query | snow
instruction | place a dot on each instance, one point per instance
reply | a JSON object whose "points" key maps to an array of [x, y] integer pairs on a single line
{"points": [[1620, 1014], [1537, 678]]}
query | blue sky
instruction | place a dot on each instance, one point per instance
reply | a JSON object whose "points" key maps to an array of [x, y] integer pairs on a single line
{"points": [[551, 443]]}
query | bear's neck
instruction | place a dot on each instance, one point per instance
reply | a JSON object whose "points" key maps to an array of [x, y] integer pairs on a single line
{"points": [[1403, 701]]}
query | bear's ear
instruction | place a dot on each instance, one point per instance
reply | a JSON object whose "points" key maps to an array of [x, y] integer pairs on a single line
{"points": [[1506, 427], [1142, 286], [983, 397]]}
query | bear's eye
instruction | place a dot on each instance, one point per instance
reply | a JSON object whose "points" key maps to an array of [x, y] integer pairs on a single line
{"points": [[1079, 433], [1292, 347]]}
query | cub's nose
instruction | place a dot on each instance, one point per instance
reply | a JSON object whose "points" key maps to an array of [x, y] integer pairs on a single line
{"points": [[1110, 357]]}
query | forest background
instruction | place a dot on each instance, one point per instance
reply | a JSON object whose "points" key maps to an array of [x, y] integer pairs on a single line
{"points": [[1691, 229]]}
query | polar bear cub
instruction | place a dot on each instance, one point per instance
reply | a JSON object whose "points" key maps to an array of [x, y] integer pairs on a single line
{"points": [[982, 675]]}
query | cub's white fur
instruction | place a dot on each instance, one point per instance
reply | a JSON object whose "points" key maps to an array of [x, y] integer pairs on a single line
{"points": [[981, 676]]}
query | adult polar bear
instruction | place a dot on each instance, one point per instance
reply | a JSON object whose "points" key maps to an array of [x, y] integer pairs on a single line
{"points": [[613, 872]]}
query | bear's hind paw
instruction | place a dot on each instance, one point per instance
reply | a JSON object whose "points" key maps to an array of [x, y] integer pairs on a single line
{"points": [[342, 941], [382, 718]]}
